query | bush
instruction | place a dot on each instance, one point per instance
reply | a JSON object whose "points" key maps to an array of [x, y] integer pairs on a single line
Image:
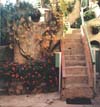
{"points": [[10, 14], [95, 30], [33, 74], [89, 15], [77, 23]]}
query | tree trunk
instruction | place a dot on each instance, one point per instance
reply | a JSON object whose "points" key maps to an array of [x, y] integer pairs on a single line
{"points": [[18, 58], [28, 46]]}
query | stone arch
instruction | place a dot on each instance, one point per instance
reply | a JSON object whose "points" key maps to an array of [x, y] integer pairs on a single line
{"points": [[96, 54], [95, 43]]}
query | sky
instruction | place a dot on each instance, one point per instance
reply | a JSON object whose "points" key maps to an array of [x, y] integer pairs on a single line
{"points": [[14, 1]]}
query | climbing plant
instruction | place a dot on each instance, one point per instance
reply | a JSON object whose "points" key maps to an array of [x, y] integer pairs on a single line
{"points": [[10, 15], [61, 9]]}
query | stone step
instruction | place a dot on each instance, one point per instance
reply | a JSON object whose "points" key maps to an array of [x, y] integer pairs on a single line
{"points": [[73, 85], [73, 51], [68, 40], [76, 31], [82, 91], [75, 63], [74, 57], [76, 70], [73, 36], [73, 45], [74, 79]]}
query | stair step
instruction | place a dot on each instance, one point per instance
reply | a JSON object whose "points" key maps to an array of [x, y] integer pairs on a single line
{"points": [[75, 76], [74, 57], [73, 36], [73, 51], [75, 63], [73, 44], [76, 70], [66, 40], [73, 85], [77, 92], [76, 31], [73, 47], [74, 79]]}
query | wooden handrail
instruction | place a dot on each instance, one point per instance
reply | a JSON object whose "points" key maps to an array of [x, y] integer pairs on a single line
{"points": [[88, 57]]}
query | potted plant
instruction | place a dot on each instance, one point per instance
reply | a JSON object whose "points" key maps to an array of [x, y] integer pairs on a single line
{"points": [[95, 29]]}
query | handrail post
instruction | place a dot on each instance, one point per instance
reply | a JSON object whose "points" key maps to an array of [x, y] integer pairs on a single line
{"points": [[82, 15], [58, 64]]}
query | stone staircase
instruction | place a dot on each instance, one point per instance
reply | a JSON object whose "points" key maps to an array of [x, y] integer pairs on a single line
{"points": [[75, 76]]}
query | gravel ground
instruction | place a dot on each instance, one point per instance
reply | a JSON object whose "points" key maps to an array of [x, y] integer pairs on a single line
{"points": [[38, 100], [44, 100]]}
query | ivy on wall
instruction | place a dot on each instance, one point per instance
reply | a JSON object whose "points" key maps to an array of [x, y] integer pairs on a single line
{"points": [[32, 75]]}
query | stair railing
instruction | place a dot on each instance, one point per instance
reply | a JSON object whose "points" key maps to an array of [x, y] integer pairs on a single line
{"points": [[88, 55], [88, 51]]}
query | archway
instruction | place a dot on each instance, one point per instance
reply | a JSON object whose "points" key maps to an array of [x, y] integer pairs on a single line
{"points": [[96, 54]]}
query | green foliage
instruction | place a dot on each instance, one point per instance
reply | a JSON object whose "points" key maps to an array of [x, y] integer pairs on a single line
{"points": [[5, 13], [89, 15], [70, 6], [46, 1], [67, 8], [77, 23], [12, 14], [95, 29]]}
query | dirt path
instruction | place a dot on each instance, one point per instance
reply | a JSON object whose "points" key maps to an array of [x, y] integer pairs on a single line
{"points": [[39, 100]]}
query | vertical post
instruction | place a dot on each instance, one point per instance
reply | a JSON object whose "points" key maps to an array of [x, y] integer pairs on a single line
{"points": [[59, 72], [82, 15], [58, 64]]}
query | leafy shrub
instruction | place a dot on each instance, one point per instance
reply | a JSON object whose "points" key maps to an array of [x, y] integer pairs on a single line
{"points": [[77, 23], [32, 74], [70, 6], [89, 15], [10, 14], [95, 29]]}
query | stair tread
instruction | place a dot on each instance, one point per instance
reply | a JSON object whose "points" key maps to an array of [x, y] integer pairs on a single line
{"points": [[77, 85], [76, 67], [74, 43], [78, 75], [75, 60], [68, 39], [74, 55], [71, 35]]}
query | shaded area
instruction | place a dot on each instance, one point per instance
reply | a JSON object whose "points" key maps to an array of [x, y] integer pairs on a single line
{"points": [[78, 101]]}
